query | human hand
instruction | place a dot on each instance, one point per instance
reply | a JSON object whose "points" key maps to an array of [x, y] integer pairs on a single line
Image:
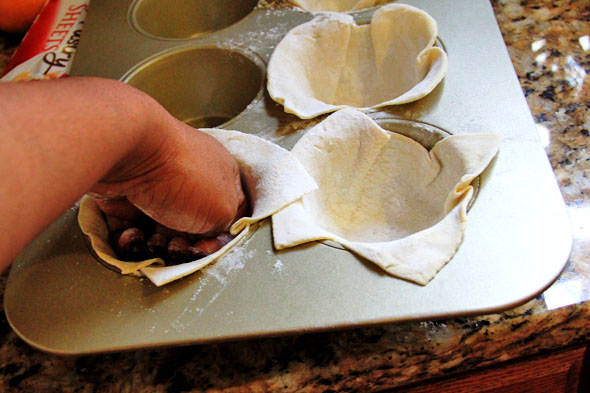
{"points": [[62, 138], [182, 178]]}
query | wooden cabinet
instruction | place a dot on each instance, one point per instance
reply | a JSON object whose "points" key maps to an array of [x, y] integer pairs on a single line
{"points": [[566, 371]]}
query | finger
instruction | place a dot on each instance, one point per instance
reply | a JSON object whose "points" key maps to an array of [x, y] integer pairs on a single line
{"points": [[239, 188], [243, 209], [118, 207]]}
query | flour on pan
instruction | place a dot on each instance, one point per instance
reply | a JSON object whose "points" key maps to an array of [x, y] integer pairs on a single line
{"points": [[222, 273]]}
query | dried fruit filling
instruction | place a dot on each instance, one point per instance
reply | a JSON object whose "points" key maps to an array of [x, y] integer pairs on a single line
{"points": [[136, 237]]}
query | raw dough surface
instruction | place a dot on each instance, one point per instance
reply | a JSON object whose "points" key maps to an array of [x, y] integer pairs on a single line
{"points": [[331, 63], [383, 195], [336, 5], [271, 175]]}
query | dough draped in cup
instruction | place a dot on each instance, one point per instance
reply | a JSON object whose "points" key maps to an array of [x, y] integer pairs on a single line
{"points": [[336, 5], [384, 196], [331, 63]]}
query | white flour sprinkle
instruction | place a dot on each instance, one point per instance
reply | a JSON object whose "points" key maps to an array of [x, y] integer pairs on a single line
{"points": [[222, 271], [278, 266], [232, 261]]}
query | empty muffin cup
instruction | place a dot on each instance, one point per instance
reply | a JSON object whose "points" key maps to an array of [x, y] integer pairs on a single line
{"points": [[187, 18], [202, 86]]}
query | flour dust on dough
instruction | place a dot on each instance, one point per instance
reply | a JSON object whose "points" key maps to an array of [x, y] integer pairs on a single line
{"points": [[331, 63], [271, 175], [384, 196]]}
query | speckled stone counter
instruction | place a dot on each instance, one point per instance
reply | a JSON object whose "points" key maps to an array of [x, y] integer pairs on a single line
{"points": [[549, 43]]}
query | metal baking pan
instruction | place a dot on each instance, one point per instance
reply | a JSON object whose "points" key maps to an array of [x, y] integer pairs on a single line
{"points": [[60, 299]]}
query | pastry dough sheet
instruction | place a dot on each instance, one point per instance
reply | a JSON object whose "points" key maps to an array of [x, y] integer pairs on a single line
{"points": [[271, 175], [336, 5], [331, 63], [384, 196]]}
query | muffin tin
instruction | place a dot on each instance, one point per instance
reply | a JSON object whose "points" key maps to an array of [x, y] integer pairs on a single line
{"points": [[211, 72]]}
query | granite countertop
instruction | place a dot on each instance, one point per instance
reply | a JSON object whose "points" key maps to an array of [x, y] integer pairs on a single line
{"points": [[549, 43]]}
